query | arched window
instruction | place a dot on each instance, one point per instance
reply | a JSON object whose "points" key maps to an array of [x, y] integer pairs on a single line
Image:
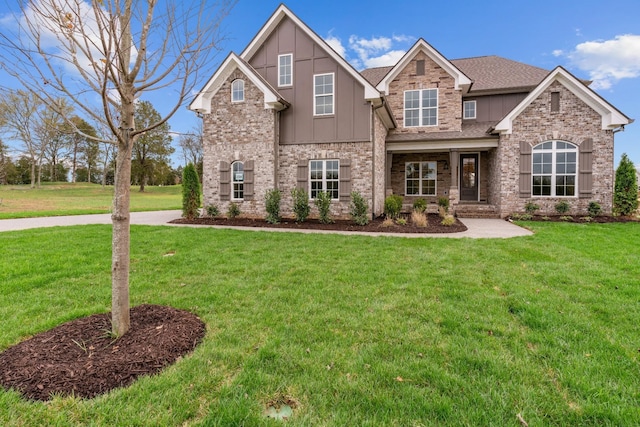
{"points": [[554, 170], [237, 179], [237, 90]]}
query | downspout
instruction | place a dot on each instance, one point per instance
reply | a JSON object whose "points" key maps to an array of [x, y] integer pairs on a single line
{"points": [[373, 161]]}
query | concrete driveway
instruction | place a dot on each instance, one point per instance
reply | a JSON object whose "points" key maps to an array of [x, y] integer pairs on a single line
{"points": [[476, 227]]}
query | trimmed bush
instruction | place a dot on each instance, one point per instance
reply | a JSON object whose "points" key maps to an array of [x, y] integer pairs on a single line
{"points": [[594, 209], [301, 207], [393, 206], [562, 207], [625, 193], [190, 192], [213, 211], [531, 208], [233, 210], [272, 205], [358, 209], [323, 203], [443, 202], [420, 205]]}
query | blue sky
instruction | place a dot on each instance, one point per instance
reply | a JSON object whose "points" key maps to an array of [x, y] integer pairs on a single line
{"points": [[594, 40]]}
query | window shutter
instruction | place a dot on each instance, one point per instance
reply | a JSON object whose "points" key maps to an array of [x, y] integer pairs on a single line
{"points": [[225, 181], [344, 189], [248, 180], [525, 169], [585, 163], [303, 175]]}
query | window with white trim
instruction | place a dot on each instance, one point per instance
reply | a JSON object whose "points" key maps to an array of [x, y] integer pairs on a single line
{"points": [[237, 90], [237, 180], [421, 107], [323, 92], [420, 178], [323, 176], [554, 171], [469, 109], [285, 69]]}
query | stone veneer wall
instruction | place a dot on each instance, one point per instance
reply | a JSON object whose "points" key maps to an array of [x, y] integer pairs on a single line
{"points": [[449, 99], [575, 122], [380, 153], [239, 132]]}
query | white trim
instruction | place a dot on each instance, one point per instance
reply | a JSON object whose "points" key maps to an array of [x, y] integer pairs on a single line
{"points": [[332, 94], [462, 82], [553, 151], [611, 117], [233, 90], [234, 181], [464, 110], [324, 177], [420, 108], [420, 179], [281, 12], [433, 146], [280, 84]]}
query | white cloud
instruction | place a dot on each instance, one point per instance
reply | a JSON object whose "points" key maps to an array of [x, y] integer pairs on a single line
{"points": [[371, 52], [389, 58], [557, 52], [336, 44], [608, 61]]}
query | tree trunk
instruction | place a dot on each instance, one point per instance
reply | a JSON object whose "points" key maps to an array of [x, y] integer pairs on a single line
{"points": [[33, 174]]}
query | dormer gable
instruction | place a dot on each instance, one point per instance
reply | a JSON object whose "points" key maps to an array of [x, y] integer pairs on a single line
{"points": [[202, 102], [462, 82], [612, 118]]}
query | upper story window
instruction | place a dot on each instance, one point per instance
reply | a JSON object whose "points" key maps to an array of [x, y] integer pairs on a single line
{"points": [[285, 70], [323, 176], [469, 108], [420, 178], [421, 107], [323, 91], [554, 169], [237, 180], [237, 90]]}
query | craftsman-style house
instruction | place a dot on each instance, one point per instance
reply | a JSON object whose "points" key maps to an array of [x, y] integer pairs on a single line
{"points": [[489, 133]]}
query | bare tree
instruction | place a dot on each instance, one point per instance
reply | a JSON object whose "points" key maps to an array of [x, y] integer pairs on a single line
{"points": [[116, 51], [191, 145]]}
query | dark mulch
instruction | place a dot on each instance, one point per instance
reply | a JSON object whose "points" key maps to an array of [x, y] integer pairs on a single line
{"points": [[434, 225], [80, 358]]}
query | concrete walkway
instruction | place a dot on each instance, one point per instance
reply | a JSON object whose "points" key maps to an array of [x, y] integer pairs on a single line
{"points": [[476, 228]]}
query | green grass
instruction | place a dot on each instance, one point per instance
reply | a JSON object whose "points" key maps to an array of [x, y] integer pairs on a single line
{"points": [[53, 199], [360, 331]]}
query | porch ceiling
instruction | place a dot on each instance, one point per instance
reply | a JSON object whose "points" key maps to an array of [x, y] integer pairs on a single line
{"points": [[431, 146]]}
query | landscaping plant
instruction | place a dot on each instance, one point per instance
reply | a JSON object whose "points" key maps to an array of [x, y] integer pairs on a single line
{"points": [[392, 206], [420, 205], [625, 193], [358, 209], [323, 203], [562, 207], [233, 211], [272, 205], [301, 207], [190, 192]]}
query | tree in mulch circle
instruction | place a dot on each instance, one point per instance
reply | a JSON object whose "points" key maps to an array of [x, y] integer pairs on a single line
{"points": [[190, 192]]}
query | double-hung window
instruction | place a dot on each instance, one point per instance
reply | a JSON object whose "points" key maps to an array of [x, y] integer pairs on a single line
{"points": [[237, 179], [323, 91], [469, 108], [237, 90], [554, 169], [420, 178], [421, 107], [323, 176], [285, 70]]}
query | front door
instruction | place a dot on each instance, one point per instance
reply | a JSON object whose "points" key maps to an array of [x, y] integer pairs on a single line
{"points": [[469, 177]]}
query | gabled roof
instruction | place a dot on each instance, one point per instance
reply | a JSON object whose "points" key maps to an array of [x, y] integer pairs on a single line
{"points": [[202, 102], [612, 118], [461, 80], [281, 12], [494, 74]]}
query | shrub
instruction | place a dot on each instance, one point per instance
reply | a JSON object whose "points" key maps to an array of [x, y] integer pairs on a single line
{"points": [[420, 205], [301, 207], [562, 207], [272, 205], [594, 209], [233, 210], [443, 202], [401, 221], [522, 217], [625, 193], [388, 222], [418, 218], [567, 218], [531, 208], [190, 192], [359, 209], [213, 211], [393, 206], [448, 220], [323, 203]]}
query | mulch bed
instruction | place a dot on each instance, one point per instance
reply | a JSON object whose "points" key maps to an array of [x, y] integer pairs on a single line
{"points": [[80, 358], [433, 226], [601, 219]]}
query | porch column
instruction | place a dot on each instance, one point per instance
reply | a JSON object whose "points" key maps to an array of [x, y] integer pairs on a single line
{"points": [[387, 179], [454, 192]]}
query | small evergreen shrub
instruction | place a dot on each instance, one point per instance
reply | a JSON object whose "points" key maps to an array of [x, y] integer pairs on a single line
{"points": [[323, 203], [272, 205], [213, 211], [233, 210], [419, 218], [190, 192], [566, 218], [420, 205], [594, 209], [401, 221], [562, 207], [448, 220], [531, 208], [444, 203], [358, 209], [301, 207], [393, 206], [625, 192]]}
